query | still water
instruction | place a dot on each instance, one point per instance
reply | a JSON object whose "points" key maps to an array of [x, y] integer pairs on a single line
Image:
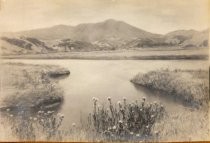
{"points": [[109, 78]]}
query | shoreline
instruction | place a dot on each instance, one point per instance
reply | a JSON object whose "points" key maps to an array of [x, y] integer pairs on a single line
{"points": [[188, 87], [167, 57], [146, 54], [33, 87]]}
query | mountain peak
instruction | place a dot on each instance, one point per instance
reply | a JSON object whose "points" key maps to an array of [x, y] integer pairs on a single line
{"points": [[111, 20]]}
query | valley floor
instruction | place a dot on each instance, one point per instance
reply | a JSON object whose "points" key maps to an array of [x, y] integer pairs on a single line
{"points": [[132, 54]]}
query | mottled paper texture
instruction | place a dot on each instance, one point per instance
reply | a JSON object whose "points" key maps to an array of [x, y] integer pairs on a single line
{"points": [[104, 70]]}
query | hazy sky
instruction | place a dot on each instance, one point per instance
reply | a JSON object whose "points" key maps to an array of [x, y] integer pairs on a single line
{"points": [[158, 16]]}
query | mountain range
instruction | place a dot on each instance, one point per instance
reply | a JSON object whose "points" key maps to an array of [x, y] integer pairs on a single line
{"points": [[107, 35]]}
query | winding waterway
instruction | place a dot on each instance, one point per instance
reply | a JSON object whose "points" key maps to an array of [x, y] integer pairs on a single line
{"points": [[102, 79]]}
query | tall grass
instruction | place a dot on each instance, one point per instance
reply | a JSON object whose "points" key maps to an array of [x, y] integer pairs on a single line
{"points": [[189, 86], [43, 125]]}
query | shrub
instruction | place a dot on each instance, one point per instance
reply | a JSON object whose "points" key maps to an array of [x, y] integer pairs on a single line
{"points": [[127, 121]]}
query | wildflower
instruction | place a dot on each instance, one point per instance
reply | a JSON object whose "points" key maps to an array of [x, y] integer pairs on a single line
{"points": [[114, 127], [35, 119], [120, 121], [156, 132], [109, 98], [152, 116], [42, 120], [147, 126], [131, 133], [30, 118], [96, 99], [61, 115], [119, 103], [137, 135], [155, 102], [8, 109], [50, 112], [124, 98], [11, 115], [39, 112], [74, 124], [93, 98], [144, 98]]}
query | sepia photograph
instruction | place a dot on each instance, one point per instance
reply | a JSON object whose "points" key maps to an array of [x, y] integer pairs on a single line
{"points": [[104, 70]]}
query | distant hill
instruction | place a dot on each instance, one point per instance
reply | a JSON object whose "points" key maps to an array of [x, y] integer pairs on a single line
{"points": [[180, 38], [107, 35], [23, 45], [89, 32]]}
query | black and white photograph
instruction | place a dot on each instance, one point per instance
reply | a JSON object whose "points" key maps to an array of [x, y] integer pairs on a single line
{"points": [[104, 70]]}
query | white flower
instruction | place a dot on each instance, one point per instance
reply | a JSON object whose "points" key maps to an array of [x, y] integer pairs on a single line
{"points": [[131, 133], [120, 121], [119, 102], [155, 102], [49, 112], [93, 98], [144, 98], [109, 98], [30, 118], [61, 115], [8, 109], [35, 119], [73, 124], [39, 112], [137, 135], [42, 120], [114, 127], [11, 115]]}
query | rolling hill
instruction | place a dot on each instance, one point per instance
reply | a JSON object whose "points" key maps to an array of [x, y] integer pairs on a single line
{"points": [[107, 35]]}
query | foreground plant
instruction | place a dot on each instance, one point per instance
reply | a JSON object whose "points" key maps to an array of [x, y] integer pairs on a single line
{"points": [[127, 121]]}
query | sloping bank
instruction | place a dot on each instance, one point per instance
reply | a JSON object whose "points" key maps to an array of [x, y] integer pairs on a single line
{"points": [[189, 86], [30, 88]]}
